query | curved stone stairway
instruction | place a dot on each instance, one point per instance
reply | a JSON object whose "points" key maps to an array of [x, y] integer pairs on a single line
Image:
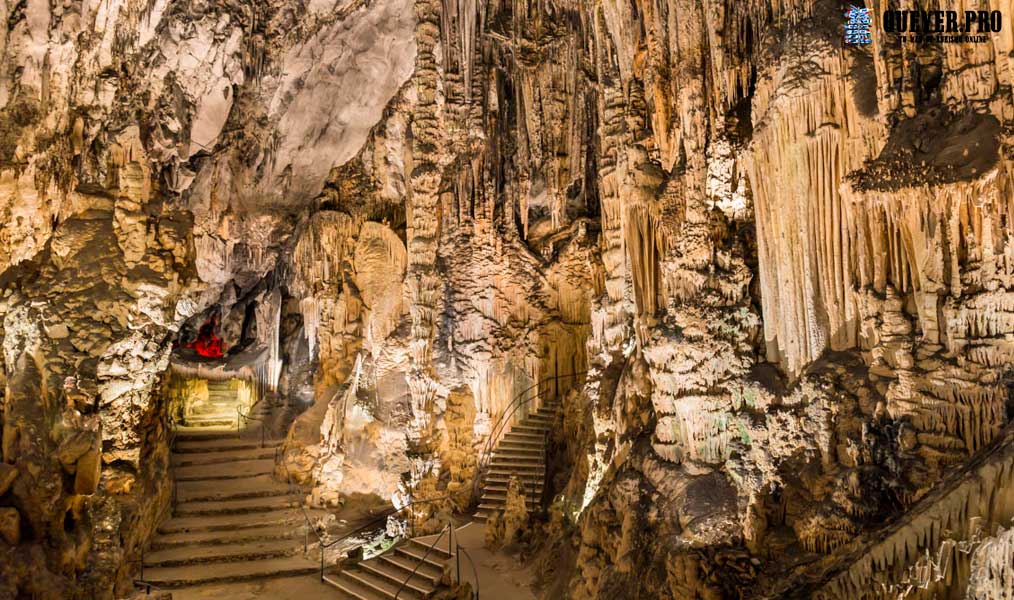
{"points": [[521, 453], [232, 520], [380, 577]]}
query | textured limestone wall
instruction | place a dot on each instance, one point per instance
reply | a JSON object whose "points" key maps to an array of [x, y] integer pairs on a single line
{"points": [[780, 264], [155, 155]]}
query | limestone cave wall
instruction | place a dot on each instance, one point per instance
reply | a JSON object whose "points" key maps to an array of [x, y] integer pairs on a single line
{"points": [[769, 276]]}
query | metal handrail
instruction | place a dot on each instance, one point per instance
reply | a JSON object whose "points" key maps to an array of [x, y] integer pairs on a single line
{"points": [[171, 468], [487, 452], [307, 525], [173, 500], [147, 585], [475, 573], [486, 456], [380, 519], [448, 528], [247, 418]]}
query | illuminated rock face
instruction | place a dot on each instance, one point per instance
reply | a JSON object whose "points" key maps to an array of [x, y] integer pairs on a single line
{"points": [[768, 276]]}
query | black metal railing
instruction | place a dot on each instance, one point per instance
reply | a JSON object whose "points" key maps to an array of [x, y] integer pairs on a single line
{"points": [[523, 399], [475, 573], [449, 530], [496, 432], [374, 524], [171, 470], [244, 420], [455, 550]]}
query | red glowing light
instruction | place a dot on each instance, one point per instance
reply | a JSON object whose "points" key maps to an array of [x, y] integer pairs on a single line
{"points": [[208, 344]]}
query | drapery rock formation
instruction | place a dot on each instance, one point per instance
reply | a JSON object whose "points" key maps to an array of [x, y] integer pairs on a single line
{"points": [[767, 274]]}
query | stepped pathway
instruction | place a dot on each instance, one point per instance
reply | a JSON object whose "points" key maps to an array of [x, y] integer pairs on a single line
{"points": [[380, 577], [219, 410], [521, 453], [232, 520]]}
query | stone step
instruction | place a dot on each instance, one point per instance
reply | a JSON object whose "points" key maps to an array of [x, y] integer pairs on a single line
{"points": [[223, 456], [222, 553], [221, 445], [351, 588], [505, 477], [418, 547], [236, 470], [521, 448], [501, 486], [502, 463], [427, 570], [190, 575], [381, 587], [224, 409], [234, 522], [524, 436], [210, 421], [414, 554], [234, 507], [493, 498], [484, 512], [290, 531], [205, 434], [518, 456], [491, 507], [250, 487], [520, 442], [533, 430], [395, 576]]}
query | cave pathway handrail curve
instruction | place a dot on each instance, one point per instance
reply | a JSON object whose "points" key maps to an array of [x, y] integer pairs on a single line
{"points": [[501, 423], [376, 522], [372, 524], [245, 419], [505, 418], [475, 573], [449, 530]]}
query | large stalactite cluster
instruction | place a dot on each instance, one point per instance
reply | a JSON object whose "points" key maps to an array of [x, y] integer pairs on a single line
{"points": [[769, 275]]}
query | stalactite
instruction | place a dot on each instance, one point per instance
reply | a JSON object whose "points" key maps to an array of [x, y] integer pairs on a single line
{"points": [[919, 556]]}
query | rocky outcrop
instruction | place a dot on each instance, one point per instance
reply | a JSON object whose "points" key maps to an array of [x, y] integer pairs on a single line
{"points": [[764, 273]]}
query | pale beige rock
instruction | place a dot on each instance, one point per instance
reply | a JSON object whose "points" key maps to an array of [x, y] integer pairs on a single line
{"points": [[88, 471]]}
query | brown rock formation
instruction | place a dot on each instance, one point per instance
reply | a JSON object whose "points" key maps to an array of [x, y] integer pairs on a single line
{"points": [[768, 275]]}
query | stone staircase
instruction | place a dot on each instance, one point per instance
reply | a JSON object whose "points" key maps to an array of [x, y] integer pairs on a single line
{"points": [[521, 453], [232, 520], [379, 578], [219, 410]]}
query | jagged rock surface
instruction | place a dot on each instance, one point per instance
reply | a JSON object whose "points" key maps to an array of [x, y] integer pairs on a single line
{"points": [[768, 277]]}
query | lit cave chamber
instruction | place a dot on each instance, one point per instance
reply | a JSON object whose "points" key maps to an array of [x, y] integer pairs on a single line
{"points": [[510, 299]]}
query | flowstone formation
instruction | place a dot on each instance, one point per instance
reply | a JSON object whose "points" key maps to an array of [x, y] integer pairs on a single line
{"points": [[766, 275]]}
